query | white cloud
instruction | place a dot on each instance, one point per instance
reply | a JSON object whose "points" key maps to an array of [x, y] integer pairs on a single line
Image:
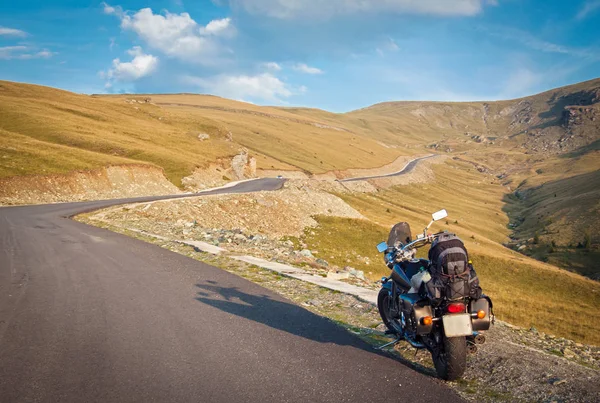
{"points": [[272, 66], [12, 32], [303, 68], [588, 8], [387, 47], [140, 66], [110, 10], [222, 27], [265, 86], [329, 8], [23, 53], [178, 35]]}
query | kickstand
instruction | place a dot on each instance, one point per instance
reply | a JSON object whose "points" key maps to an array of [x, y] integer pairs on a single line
{"points": [[389, 344]]}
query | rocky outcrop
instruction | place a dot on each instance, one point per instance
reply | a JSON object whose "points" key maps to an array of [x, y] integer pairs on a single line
{"points": [[241, 166], [105, 183]]}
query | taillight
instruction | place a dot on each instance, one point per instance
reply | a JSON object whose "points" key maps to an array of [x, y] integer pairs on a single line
{"points": [[456, 308]]}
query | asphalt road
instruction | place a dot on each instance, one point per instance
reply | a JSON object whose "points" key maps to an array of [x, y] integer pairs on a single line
{"points": [[87, 315], [408, 168]]}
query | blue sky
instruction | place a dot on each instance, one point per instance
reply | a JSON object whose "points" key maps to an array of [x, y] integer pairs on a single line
{"points": [[337, 55]]}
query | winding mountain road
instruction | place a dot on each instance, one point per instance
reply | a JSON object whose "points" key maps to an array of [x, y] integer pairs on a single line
{"points": [[87, 315], [407, 168]]}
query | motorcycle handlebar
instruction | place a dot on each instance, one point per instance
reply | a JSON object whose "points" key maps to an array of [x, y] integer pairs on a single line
{"points": [[427, 239]]}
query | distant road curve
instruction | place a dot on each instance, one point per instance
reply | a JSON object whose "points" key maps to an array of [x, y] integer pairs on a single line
{"points": [[407, 168], [89, 315]]}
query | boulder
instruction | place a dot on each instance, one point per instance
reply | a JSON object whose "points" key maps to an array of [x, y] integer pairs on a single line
{"points": [[306, 253]]}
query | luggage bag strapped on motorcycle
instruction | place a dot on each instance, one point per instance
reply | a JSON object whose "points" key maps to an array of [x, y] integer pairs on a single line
{"points": [[452, 273]]}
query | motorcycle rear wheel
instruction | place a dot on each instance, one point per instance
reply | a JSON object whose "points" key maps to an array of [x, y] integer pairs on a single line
{"points": [[451, 358]]}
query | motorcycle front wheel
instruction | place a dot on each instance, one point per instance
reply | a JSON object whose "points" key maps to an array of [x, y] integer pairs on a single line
{"points": [[383, 304], [450, 359]]}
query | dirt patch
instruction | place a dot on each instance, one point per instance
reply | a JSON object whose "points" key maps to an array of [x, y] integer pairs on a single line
{"points": [[105, 183], [272, 214]]}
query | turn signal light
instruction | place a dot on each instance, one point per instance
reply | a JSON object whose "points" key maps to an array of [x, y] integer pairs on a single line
{"points": [[427, 320], [480, 314], [456, 308]]}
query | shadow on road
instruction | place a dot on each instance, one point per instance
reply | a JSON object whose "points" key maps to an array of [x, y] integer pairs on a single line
{"points": [[288, 318]]}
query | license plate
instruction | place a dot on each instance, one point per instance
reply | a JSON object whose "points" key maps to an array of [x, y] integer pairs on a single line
{"points": [[457, 325]]}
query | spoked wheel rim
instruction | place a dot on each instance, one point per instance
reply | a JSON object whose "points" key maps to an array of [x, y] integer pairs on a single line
{"points": [[391, 324]]}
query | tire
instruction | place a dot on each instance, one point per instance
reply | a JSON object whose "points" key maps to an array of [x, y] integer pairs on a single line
{"points": [[451, 359], [383, 303]]}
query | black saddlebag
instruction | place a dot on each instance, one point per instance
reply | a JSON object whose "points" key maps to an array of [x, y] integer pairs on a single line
{"points": [[482, 304], [450, 268]]}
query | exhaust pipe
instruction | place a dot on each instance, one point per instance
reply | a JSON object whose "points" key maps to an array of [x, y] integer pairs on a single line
{"points": [[471, 348], [479, 339]]}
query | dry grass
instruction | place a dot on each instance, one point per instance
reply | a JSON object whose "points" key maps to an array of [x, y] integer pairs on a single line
{"points": [[41, 124]]}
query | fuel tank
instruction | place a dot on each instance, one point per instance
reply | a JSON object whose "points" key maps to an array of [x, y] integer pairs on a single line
{"points": [[400, 277]]}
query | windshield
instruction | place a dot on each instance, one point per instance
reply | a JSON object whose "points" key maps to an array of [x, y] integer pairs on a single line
{"points": [[400, 234]]}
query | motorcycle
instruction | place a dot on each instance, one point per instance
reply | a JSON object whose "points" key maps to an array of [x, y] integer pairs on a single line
{"points": [[447, 324]]}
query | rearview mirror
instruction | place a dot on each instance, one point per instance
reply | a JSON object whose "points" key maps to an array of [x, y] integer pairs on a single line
{"points": [[382, 247], [438, 215]]}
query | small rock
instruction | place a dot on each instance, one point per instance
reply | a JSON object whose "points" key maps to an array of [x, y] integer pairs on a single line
{"points": [[203, 136], [522, 247], [322, 262], [240, 238], [556, 381], [306, 253], [568, 353], [357, 273], [289, 244]]}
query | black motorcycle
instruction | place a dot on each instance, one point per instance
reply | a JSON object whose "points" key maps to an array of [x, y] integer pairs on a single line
{"points": [[435, 303]]}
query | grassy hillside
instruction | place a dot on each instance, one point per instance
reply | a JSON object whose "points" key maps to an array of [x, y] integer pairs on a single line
{"points": [[41, 124]]}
